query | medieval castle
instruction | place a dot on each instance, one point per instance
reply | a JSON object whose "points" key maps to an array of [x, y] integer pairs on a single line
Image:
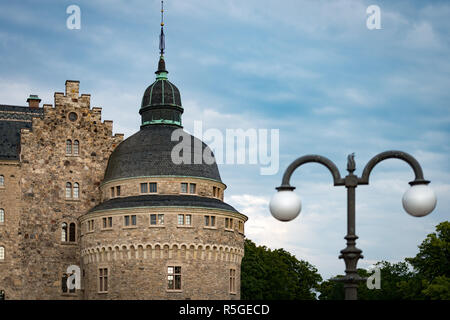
{"points": [[130, 222]]}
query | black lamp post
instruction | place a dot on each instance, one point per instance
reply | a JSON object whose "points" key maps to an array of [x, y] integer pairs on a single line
{"points": [[418, 201]]}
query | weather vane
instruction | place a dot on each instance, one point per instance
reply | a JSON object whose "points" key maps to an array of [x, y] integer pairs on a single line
{"points": [[162, 44]]}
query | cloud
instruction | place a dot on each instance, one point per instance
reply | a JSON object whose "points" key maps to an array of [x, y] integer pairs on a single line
{"points": [[309, 68]]}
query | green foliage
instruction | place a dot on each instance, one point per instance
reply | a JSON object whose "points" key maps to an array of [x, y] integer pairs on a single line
{"points": [[426, 276], [276, 275], [433, 259]]}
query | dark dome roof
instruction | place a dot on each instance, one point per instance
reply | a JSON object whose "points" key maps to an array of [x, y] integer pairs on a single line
{"points": [[148, 153], [161, 93]]}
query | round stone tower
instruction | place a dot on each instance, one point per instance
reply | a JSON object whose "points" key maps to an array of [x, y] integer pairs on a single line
{"points": [[162, 230]]}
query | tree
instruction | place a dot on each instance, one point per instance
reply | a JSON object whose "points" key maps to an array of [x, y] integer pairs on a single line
{"points": [[276, 275], [433, 259], [426, 276]]}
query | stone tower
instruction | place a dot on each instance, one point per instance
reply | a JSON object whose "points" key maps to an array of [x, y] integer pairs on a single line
{"points": [[140, 218], [162, 230]]}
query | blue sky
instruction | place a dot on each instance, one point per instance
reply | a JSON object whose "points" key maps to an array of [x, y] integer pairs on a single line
{"points": [[308, 68]]}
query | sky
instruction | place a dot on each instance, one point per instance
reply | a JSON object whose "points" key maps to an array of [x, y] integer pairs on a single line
{"points": [[311, 69]]}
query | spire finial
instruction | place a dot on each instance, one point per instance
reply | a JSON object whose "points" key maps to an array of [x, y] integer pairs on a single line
{"points": [[162, 72], [162, 44]]}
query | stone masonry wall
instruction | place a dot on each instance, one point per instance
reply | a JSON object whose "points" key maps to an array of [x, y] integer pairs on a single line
{"points": [[45, 170], [10, 271], [165, 185], [137, 257]]}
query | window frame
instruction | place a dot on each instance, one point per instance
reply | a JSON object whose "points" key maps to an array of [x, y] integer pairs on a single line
{"points": [[103, 279], [129, 218], [69, 147], [76, 148], [186, 217], [2, 253], [175, 275], [210, 221], [2, 181], [232, 282], [150, 185], [146, 187], [229, 224], [68, 190], [107, 223], [64, 232], [2, 216], [76, 191], [157, 220], [90, 225]]}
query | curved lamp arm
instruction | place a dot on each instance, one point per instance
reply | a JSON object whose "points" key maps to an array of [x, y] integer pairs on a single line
{"points": [[396, 155], [305, 159]]}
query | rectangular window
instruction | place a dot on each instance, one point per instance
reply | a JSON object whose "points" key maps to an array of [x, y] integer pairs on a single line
{"points": [[107, 222], [91, 225], [174, 278], [184, 187], [232, 280], [130, 220], [192, 188], [184, 219], [112, 192], [64, 283], [218, 192], [214, 192], [144, 187], [229, 223], [156, 219], [210, 221], [118, 191], [68, 191], [153, 187], [103, 280]]}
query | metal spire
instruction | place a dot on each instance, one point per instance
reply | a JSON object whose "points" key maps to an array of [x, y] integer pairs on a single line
{"points": [[162, 44]]}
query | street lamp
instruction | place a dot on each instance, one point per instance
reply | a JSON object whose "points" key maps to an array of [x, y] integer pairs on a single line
{"points": [[418, 201]]}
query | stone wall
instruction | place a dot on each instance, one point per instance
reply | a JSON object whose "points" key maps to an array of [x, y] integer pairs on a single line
{"points": [[45, 170], [137, 257], [165, 185], [10, 272]]}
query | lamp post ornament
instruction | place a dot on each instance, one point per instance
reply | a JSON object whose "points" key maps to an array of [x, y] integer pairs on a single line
{"points": [[418, 201]]}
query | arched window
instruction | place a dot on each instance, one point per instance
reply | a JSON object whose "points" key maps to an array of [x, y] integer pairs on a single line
{"points": [[68, 190], [72, 232], [76, 190], [2, 181], [68, 146], [76, 147], [2, 253], [64, 232], [2, 216]]}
